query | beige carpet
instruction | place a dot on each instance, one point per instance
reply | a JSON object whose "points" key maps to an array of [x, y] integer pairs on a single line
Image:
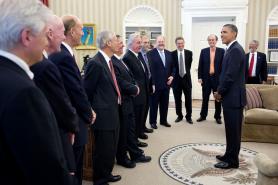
{"points": [[180, 133]]}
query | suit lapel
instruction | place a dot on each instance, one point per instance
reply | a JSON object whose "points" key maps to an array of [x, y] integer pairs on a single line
{"points": [[258, 65], [107, 69], [74, 61], [158, 55], [185, 59]]}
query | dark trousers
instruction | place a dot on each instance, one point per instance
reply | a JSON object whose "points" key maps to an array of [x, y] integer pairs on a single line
{"points": [[161, 98], [139, 111], [127, 138], [68, 151], [146, 111], [233, 121], [79, 155], [209, 86], [106, 142], [187, 91], [253, 80]]}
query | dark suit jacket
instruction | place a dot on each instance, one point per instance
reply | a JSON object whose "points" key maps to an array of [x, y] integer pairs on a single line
{"points": [[204, 64], [160, 73], [48, 78], [127, 85], [102, 93], [74, 87], [261, 66], [232, 78], [30, 145], [188, 61], [135, 65]]}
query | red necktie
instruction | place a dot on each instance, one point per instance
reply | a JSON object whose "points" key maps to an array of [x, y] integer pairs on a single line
{"points": [[251, 65], [115, 80]]}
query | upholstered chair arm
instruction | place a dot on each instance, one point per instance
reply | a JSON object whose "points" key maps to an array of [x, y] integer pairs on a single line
{"points": [[266, 165]]}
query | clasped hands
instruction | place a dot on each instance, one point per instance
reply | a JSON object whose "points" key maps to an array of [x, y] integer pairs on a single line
{"points": [[217, 96]]}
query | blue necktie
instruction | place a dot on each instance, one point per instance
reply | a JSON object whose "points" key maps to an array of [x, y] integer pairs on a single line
{"points": [[162, 55]]}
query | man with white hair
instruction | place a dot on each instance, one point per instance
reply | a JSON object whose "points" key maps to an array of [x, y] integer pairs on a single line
{"points": [[139, 70], [31, 152], [49, 80], [73, 83], [104, 95], [256, 65]]}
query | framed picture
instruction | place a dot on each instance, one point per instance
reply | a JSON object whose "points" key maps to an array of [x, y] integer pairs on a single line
{"points": [[273, 56], [88, 40]]}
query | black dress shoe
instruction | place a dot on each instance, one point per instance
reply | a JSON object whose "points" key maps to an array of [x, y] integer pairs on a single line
{"points": [[201, 119], [142, 144], [221, 158], [148, 130], [143, 136], [127, 163], [143, 159], [153, 126], [178, 119], [225, 165], [218, 121], [189, 121], [165, 124], [114, 178]]}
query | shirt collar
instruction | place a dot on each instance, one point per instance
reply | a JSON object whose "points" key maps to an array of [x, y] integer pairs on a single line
{"points": [[45, 54], [228, 46], [68, 48], [106, 57], [118, 57], [160, 51], [143, 52], [180, 51], [136, 54], [21, 63]]}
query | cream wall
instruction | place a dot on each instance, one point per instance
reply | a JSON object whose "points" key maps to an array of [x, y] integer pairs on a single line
{"points": [[109, 15], [256, 26]]}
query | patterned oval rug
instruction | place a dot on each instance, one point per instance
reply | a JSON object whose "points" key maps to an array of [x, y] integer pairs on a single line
{"points": [[193, 164]]}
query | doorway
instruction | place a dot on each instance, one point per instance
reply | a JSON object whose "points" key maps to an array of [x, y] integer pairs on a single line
{"points": [[201, 28]]}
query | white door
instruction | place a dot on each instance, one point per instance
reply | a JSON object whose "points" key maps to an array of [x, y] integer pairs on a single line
{"points": [[201, 28]]}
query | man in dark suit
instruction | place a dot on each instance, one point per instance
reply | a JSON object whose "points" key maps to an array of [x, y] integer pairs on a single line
{"points": [[73, 83], [161, 67], [142, 55], [30, 146], [104, 95], [139, 72], [256, 65], [231, 91], [182, 81], [208, 76], [129, 90], [48, 78]]}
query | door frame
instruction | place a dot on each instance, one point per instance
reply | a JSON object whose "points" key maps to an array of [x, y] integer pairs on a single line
{"points": [[214, 8]]}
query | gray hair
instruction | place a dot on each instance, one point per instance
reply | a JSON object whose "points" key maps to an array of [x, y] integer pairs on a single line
{"points": [[103, 37], [215, 36], [255, 42], [232, 27], [16, 15], [131, 38]]}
